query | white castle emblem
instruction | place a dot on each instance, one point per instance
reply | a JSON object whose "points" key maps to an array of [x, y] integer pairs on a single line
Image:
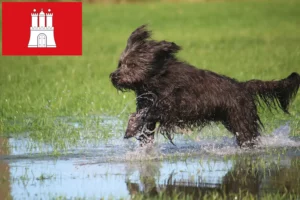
{"points": [[42, 34]]}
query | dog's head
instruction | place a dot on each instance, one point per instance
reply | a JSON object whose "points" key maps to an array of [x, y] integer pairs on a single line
{"points": [[141, 59]]}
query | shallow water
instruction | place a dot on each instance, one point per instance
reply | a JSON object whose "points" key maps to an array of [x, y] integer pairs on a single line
{"points": [[120, 169]]}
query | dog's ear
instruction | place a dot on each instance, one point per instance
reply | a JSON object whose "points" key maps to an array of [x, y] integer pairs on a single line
{"points": [[168, 47], [164, 49], [138, 36]]}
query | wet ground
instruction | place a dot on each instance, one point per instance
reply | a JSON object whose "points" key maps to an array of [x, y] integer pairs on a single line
{"points": [[120, 169]]}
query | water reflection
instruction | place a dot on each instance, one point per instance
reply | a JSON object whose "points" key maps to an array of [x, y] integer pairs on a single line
{"points": [[246, 176], [243, 177], [87, 175], [184, 176]]}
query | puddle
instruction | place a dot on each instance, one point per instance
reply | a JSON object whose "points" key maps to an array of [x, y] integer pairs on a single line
{"points": [[119, 169]]}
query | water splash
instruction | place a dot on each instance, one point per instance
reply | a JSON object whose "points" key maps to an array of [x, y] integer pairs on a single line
{"points": [[279, 138]]}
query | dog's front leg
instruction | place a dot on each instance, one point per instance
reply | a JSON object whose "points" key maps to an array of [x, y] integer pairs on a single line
{"points": [[138, 126], [147, 134]]}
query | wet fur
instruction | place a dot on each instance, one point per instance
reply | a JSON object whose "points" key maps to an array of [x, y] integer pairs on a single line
{"points": [[177, 94]]}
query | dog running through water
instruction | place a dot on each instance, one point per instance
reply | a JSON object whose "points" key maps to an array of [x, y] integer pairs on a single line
{"points": [[174, 93]]}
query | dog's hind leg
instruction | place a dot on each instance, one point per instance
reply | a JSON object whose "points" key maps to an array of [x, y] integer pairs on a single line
{"points": [[244, 124], [245, 131]]}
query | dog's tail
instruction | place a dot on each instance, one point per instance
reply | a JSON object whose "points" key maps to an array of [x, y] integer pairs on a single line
{"points": [[275, 93]]}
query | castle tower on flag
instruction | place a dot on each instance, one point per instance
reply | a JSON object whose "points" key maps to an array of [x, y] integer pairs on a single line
{"points": [[41, 30]]}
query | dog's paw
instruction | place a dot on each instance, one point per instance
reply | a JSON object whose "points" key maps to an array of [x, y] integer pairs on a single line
{"points": [[146, 140]]}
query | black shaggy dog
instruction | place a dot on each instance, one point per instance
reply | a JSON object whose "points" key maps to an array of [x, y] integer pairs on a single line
{"points": [[175, 94]]}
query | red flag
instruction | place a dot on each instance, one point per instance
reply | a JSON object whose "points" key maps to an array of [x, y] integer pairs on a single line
{"points": [[40, 28]]}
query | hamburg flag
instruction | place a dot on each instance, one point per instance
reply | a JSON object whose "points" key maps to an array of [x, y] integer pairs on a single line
{"points": [[40, 28]]}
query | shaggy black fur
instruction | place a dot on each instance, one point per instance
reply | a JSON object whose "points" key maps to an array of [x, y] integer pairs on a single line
{"points": [[176, 94]]}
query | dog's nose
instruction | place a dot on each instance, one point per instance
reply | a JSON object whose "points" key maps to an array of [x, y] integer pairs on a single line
{"points": [[126, 136], [113, 77]]}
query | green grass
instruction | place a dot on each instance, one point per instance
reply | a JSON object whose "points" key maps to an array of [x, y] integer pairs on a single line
{"points": [[244, 40], [210, 196]]}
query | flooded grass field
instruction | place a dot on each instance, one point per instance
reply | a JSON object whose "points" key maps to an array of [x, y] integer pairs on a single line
{"points": [[118, 169], [62, 122]]}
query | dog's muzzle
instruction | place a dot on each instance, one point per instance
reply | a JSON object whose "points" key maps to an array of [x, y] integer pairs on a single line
{"points": [[114, 78], [127, 136]]}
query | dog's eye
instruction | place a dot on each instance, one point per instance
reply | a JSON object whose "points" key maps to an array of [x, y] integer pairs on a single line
{"points": [[131, 65]]}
